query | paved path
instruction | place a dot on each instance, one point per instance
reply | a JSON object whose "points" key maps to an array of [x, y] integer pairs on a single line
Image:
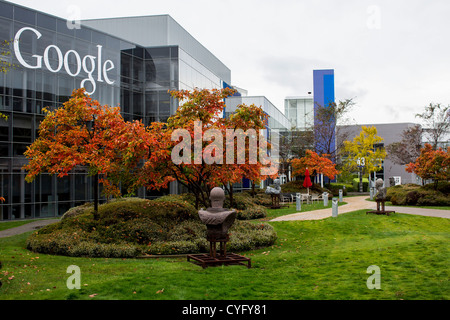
{"points": [[27, 227], [358, 203]]}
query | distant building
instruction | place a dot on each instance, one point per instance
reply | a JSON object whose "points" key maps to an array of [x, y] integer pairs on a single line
{"points": [[323, 97], [390, 132], [300, 112]]}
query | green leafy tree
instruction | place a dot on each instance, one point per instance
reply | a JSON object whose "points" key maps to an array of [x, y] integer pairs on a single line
{"points": [[364, 153]]}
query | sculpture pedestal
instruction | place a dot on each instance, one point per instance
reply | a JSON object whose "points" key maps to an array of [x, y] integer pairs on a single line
{"points": [[275, 201], [381, 208], [223, 258]]}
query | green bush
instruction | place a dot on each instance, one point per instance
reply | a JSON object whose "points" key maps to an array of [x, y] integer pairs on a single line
{"points": [[365, 182], [255, 212], [131, 227], [75, 211], [412, 194], [335, 187]]}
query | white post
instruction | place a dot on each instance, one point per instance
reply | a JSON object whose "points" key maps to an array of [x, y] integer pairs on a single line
{"points": [[334, 210], [298, 202]]}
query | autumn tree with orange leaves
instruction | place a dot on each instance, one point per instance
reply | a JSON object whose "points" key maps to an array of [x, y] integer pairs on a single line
{"points": [[193, 145], [84, 133], [314, 163], [432, 164]]}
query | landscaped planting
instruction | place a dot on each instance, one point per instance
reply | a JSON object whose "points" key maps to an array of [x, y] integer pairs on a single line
{"points": [[412, 194], [132, 227]]}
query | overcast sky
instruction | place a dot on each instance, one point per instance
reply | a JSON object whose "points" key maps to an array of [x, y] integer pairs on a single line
{"points": [[391, 57]]}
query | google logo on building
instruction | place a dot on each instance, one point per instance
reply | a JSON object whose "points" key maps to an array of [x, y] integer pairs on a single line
{"points": [[89, 63]]}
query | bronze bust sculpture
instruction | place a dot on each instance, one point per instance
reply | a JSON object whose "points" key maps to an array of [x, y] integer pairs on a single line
{"points": [[217, 219]]}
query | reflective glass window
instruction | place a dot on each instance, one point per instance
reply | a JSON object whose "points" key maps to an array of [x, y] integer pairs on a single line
{"points": [[46, 21], [6, 10], [25, 15]]}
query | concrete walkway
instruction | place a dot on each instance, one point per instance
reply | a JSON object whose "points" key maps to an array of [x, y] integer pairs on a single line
{"points": [[27, 227], [358, 203]]}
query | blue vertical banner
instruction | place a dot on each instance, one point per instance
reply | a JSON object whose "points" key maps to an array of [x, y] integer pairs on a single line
{"points": [[323, 97]]}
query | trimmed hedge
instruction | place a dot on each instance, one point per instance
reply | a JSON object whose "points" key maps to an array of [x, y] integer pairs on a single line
{"points": [[335, 187], [365, 182], [132, 227], [412, 194]]}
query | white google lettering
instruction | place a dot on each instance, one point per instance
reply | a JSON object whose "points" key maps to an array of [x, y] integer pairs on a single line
{"points": [[60, 58], [66, 63], [88, 63]]}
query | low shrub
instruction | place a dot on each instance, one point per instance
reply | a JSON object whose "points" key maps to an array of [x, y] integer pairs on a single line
{"points": [[335, 187], [365, 182], [255, 212], [412, 197], [132, 227], [412, 194], [75, 211]]}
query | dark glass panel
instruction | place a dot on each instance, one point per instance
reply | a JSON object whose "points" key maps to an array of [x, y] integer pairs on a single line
{"points": [[6, 10], [63, 208], [61, 27], [125, 99], [19, 149], [83, 33], [46, 21], [63, 188], [138, 104], [98, 38], [29, 211], [163, 52], [80, 186], [174, 52], [25, 15], [125, 65]]}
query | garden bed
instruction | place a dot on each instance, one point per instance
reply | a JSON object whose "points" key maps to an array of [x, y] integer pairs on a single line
{"points": [[412, 194], [133, 227]]}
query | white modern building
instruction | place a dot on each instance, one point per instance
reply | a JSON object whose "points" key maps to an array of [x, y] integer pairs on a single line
{"points": [[300, 111]]}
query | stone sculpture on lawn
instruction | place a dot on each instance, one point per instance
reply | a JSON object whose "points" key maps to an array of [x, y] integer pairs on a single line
{"points": [[218, 221], [275, 193]]}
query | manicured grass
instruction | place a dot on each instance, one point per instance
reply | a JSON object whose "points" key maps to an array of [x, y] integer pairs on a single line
{"points": [[4, 225], [322, 259], [291, 208], [388, 203], [12, 224]]}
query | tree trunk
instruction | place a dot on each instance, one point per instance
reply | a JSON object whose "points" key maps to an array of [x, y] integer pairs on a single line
{"points": [[95, 188], [253, 189]]}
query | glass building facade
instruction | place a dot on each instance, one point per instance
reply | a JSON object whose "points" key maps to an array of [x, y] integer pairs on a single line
{"points": [[50, 58], [300, 112]]}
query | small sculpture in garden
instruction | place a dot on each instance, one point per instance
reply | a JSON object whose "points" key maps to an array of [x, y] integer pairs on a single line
{"points": [[275, 193], [218, 221], [380, 198], [391, 181], [381, 191]]}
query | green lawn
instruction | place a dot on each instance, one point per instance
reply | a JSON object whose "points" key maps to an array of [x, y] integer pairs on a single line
{"points": [[291, 208], [12, 224], [388, 203], [323, 259]]}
